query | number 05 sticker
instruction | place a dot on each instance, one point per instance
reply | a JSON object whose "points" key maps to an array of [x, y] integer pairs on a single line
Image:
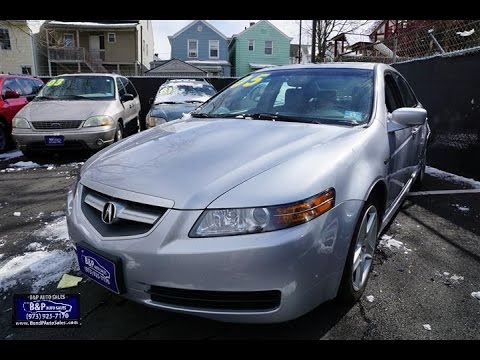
{"points": [[251, 80]]}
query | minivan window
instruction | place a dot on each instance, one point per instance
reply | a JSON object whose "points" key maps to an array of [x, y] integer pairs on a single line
{"points": [[129, 87], [83, 87], [121, 88]]}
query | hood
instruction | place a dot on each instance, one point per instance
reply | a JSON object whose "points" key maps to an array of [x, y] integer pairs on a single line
{"points": [[172, 111], [63, 109], [192, 162]]}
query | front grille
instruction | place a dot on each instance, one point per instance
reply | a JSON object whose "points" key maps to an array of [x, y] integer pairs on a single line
{"points": [[221, 300], [57, 125], [132, 218]]}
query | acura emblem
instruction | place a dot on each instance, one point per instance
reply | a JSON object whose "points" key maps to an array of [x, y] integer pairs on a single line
{"points": [[108, 213]]}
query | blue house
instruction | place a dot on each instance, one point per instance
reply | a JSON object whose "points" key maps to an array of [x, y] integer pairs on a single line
{"points": [[203, 46]]}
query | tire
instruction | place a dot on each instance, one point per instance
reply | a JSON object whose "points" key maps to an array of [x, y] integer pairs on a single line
{"points": [[5, 141], [359, 261], [118, 132]]}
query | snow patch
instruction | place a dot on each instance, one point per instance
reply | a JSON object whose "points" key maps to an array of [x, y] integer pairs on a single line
{"points": [[11, 155], [476, 295], [25, 165], [35, 246], [427, 327], [457, 179], [56, 230], [446, 273], [461, 208], [370, 298], [17, 213], [38, 268], [51, 167], [387, 241], [1, 256]]}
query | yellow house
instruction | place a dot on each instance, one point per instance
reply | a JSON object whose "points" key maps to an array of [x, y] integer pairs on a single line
{"points": [[17, 51], [124, 46]]}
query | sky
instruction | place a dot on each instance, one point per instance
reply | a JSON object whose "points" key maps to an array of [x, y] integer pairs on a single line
{"points": [[164, 28]]}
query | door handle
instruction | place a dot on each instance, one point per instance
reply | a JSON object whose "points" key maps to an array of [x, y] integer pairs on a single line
{"points": [[415, 131]]}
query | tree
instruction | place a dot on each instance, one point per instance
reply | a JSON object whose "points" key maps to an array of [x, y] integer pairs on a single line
{"points": [[326, 29]]}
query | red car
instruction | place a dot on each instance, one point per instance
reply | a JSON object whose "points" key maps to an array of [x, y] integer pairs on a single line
{"points": [[16, 91]]}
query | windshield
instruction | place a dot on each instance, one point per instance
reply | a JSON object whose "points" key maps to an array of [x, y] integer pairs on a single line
{"points": [[328, 95], [184, 92], [78, 88]]}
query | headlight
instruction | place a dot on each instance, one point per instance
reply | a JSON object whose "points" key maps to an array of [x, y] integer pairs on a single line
{"points": [[154, 121], [221, 222], [20, 123], [101, 120], [72, 189]]}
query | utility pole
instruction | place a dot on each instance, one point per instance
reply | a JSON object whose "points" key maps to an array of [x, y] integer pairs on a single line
{"points": [[314, 36], [141, 50], [300, 44]]}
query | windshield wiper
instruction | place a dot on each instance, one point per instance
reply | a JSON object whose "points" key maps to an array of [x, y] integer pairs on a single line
{"points": [[277, 117], [71, 97], [169, 102], [201, 115], [44, 98]]}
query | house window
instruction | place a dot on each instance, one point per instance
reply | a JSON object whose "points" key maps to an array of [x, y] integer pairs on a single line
{"points": [[27, 70], [112, 38], [268, 47], [68, 40], [192, 48], [5, 40], [251, 45], [213, 46]]}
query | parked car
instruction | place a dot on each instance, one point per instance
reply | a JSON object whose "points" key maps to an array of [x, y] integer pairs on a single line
{"points": [[16, 91], [255, 212], [177, 97], [77, 111]]}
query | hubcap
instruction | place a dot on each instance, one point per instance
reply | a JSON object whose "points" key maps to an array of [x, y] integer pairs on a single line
{"points": [[119, 134], [364, 248]]}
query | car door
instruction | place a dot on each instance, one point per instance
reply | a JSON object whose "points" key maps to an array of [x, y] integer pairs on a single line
{"points": [[126, 109], [130, 107], [418, 132], [13, 104], [400, 142], [136, 99]]}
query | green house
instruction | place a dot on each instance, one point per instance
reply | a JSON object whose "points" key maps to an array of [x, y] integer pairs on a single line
{"points": [[258, 46]]}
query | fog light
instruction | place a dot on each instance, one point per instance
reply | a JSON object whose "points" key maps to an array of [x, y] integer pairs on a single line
{"points": [[99, 142]]}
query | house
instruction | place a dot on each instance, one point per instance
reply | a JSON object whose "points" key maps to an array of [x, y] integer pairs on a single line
{"points": [[17, 49], [203, 46], [305, 55], [260, 45], [176, 68], [123, 46]]}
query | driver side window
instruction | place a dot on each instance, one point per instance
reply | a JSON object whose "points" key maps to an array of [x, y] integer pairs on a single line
{"points": [[393, 99]]}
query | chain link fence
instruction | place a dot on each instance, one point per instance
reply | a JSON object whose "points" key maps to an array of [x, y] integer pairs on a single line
{"points": [[416, 39]]}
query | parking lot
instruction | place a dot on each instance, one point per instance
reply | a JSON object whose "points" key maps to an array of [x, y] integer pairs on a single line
{"points": [[427, 267]]}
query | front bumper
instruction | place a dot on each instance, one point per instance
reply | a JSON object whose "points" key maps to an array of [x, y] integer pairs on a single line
{"points": [[303, 263], [92, 138]]}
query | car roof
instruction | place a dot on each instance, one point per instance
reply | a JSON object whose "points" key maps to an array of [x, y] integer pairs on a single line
{"points": [[90, 74], [335, 65]]}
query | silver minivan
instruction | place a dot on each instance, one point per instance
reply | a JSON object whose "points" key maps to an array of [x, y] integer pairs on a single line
{"points": [[77, 111]]}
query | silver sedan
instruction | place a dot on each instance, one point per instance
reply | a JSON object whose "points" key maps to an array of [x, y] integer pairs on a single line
{"points": [[263, 203]]}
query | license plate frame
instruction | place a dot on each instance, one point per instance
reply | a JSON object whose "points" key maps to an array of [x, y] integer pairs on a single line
{"points": [[104, 269]]}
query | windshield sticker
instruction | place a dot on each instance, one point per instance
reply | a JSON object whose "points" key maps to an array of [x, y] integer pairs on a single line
{"points": [[257, 79], [352, 115], [166, 91], [55, 82]]}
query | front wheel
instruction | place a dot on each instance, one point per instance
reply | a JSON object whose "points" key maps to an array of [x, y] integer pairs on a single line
{"points": [[360, 254], [118, 133]]}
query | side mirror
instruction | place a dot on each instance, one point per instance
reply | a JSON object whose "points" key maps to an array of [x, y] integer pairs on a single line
{"points": [[126, 97], [150, 101], [11, 94], [409, 116]]}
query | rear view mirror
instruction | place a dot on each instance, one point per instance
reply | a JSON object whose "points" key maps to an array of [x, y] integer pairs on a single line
{"points": [[409, 116], [126, 97], [11, 94]]}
